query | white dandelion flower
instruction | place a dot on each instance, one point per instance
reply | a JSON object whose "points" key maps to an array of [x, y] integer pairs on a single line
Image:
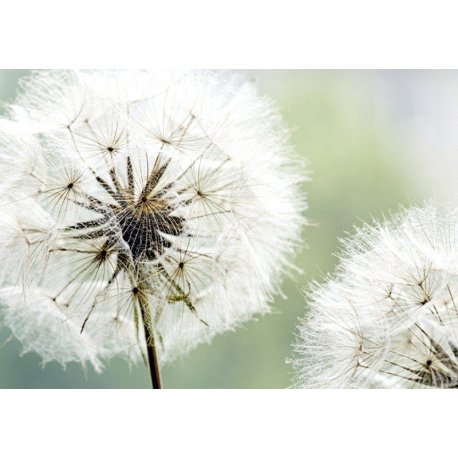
{"points": [[141, 206], [389, 316]]}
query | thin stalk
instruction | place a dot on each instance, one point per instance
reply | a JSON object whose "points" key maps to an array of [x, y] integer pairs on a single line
{"points": [[151, 348]]}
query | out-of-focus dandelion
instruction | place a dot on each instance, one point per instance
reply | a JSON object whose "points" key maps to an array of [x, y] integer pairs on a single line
{"points": [[141, 206], [389, 317]]}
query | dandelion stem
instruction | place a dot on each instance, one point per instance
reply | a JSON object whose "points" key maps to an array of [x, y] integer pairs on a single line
{"points": [[151, 348]]}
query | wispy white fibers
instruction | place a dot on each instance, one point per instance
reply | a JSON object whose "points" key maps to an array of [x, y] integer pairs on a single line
{"points": [[388, 318], [178, 190]]}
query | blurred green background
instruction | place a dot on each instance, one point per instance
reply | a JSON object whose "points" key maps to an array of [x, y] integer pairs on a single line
{"points": [[346, 123]]}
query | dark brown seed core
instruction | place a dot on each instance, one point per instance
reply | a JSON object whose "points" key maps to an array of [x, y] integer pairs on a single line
{"points": [[144, 232]]}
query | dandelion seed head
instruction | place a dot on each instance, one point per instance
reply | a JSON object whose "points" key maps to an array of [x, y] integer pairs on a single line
{"points": [[174, 189], [388, 317]]}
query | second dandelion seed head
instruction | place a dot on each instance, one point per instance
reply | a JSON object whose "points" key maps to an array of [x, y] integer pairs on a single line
{"points": [[389, 316]]}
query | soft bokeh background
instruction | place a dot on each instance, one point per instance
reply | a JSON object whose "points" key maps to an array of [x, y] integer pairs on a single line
{"points": [[374, 140]]}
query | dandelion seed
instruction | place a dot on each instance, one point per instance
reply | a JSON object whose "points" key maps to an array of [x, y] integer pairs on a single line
{"points": [[141, 206], [389, 317]]}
